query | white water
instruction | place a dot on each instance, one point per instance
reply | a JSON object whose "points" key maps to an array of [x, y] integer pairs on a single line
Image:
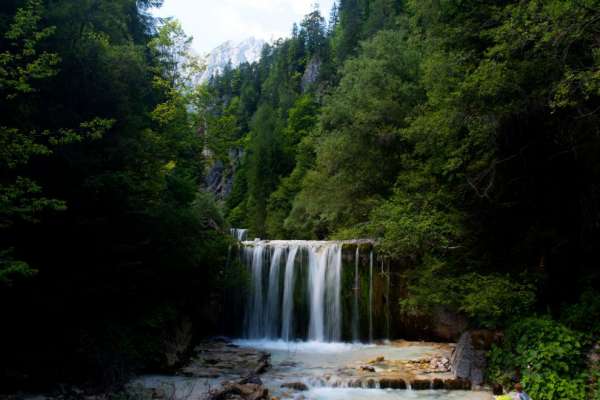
{"points": [[273, 296], [324, 393], [356, 288], [315, 347], [288, 295], [239, 234], [255, 315], [371, 297], [271, 313]]}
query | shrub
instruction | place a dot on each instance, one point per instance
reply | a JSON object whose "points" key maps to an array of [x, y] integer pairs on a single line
{"points": [[549, 355]]}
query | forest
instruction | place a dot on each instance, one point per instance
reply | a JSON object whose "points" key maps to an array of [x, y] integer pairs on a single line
{"points": [[462, 136]]}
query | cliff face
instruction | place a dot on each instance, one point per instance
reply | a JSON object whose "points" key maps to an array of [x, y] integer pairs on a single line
{"points": [[230, 52], [219, 175]]}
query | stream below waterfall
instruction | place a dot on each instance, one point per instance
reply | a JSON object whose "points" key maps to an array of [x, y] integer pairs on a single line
{"points": [[329, 371]]}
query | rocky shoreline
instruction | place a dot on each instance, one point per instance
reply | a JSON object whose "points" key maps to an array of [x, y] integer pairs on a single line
{"points": [[235, 372]]}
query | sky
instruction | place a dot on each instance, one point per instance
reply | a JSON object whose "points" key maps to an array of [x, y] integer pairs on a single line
{"points": [[212, 22]]}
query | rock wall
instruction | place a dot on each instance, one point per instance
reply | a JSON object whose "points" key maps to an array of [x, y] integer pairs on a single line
{"points": [[219, 176], [311, 74], [468, 361]]}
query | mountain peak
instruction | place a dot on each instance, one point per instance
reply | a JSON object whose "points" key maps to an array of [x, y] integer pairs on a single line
{"points": [[236, 53]]}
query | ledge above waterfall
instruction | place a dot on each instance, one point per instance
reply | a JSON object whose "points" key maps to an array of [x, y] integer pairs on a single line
{"points": [[308, 243]]}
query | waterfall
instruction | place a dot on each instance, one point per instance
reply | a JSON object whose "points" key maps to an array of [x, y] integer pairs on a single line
{"points": [[324, 266], [271, 323], [333, 318], [371, 297], [270, 312], [288, 296], [356, 288], [255, 314], [239, 234]]}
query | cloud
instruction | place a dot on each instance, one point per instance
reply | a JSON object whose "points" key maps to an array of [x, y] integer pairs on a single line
{"points": [[212, 22]]}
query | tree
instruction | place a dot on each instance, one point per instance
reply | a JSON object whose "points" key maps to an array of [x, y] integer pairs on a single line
{"points": [[23, 68]]}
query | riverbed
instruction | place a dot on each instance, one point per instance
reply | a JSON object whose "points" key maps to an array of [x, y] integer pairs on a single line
{"points": [[325, 371]]}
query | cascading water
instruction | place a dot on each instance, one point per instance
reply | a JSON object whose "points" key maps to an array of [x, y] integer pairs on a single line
{"points": [[288, 295], [271, 311], [371, 297], [299, 291], [355, 311], [239, 234], [255, 315]]}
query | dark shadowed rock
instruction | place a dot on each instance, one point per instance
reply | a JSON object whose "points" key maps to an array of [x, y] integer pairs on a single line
{"points": [[247, 391], [295, 385], [457, 384], [437, 384], [251, 379], [420, 384], [392, 383]]}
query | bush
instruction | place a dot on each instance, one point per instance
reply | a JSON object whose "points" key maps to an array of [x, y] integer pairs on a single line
{"points": [[490, 300], [584, 315], [549, 356]]}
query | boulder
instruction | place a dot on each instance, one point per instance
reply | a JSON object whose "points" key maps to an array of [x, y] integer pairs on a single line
{"points": [[371, 384], [468, 360], [247, 391], [367, 368]]}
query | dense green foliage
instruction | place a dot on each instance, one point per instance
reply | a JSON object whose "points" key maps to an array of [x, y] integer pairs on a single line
{"points": [[462, 135], [548, 357], [110, 256]]}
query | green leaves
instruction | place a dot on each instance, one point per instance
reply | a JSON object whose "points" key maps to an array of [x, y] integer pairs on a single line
{"points": [[12, 270], [21, 65], [549, 356], [490, 300]]}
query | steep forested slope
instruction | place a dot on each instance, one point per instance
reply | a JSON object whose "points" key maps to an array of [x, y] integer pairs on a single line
{"points": [[462, 135]]}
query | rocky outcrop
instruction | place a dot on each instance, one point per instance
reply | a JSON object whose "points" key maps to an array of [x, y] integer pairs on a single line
{"points": [[420, 384], [216, 359], [468, 361], [219, 176], [311, 73], [392, 383], [457, 384], [448, 325], [247, 391]]}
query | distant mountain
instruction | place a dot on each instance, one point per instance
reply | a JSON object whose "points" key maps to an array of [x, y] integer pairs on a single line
{"points": [[237, 53]]}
